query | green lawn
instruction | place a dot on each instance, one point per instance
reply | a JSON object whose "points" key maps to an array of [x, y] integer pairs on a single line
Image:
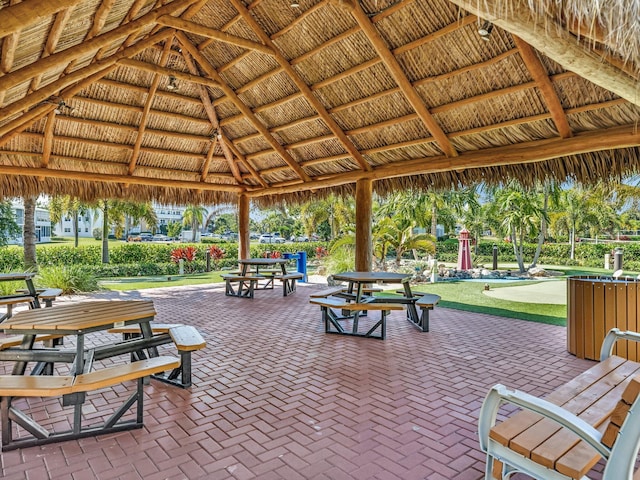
{"points": [[141, 283]]}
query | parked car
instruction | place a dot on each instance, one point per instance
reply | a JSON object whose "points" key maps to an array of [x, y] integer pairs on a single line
{"points": [[159, 237], [299, 238], [269, 238], [146, 237]]}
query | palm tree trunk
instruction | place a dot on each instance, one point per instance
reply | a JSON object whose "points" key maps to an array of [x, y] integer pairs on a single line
{"points": [[75, 228], [29, 234], [105, 231], [434, 220], [572, 234]]}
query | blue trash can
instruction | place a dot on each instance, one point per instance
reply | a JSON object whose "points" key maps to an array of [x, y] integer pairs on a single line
{"points": [[302, 265]]}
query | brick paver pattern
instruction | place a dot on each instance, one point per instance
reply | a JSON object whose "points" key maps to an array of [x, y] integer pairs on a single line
{"points": [[274, 397]]}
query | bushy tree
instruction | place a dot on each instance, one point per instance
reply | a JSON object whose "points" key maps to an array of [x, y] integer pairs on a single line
{"points": [[8, 226]]}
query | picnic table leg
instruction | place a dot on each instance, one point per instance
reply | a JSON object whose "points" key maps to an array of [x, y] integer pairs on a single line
{"points": [[412, 312]]}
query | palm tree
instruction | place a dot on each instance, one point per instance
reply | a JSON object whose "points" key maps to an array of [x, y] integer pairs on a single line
{"points": [[519, 212], [124, 215], [194, 216], [576, 214], [29, 233], [59, 206]]}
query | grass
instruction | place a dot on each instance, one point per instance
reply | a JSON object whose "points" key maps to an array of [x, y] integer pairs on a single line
{"points": [[465, 296], [141, 283]]}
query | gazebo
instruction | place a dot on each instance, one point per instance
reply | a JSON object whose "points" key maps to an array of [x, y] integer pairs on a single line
{"points": [[210, 101]]}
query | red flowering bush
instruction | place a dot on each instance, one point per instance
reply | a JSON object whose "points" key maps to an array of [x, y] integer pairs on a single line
{"points": [[216, 254], [276, 254], [186, 253], [321, 252]]}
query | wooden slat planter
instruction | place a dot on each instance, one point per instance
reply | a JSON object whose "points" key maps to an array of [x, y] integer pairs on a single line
{"points": [[595, 305]]}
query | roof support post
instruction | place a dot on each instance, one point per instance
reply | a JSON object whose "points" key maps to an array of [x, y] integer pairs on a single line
{"points": [[364, 219], [243, 226]]}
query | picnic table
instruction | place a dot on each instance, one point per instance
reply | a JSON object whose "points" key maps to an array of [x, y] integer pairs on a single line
{"points": [[30, 295], [247, 280], [77, 319]]}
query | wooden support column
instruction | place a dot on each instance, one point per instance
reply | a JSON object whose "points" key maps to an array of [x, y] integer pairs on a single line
{"points": [[243, 226], [364, 217]]}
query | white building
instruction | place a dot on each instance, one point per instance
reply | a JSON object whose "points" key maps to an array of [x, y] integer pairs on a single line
{"points": [[43, 223], [86, 223]]}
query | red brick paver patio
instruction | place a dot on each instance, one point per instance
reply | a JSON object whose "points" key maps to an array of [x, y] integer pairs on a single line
{"points": [[274, 397]]}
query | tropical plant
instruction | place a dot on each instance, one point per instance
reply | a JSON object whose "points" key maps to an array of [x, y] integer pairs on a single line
{"points": [[184, 253], [69, 278], [8, 226], [216, 254], [63, 205], [194, 217]]}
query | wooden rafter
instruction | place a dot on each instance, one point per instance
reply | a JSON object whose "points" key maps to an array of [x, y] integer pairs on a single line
{"points": [[541, 77], [257, 124], [147, 107], [160, 70], [529, 152], [191, 27], [62, 17], [252, 170], [20, 16], [213, 118], [9, 48], [123, 146], [557, 44], [302, 86], [79, 75], [401, 80], [47, 144], [108, 178], [65, 56]]}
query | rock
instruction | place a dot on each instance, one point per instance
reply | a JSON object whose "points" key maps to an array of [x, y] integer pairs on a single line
{"points": [[537, 272]]}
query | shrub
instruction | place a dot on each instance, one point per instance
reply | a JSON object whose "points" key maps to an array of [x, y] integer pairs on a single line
{"points": [[97, 233], [69, 278], [216, 254]]}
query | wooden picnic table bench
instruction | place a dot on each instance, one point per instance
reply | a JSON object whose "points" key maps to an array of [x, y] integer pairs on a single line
{"points": [[592, 417], [186, 338], [288, 282], [332, 320], [241, 286], [73, 390]]}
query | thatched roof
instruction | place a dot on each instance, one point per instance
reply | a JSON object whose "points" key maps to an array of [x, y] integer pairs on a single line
{"points": [[203, 100]]}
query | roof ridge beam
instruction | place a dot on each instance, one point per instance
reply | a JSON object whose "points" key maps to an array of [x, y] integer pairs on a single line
{"points": [[400, 78], [197, 29], [255, 121], [302, 86], [557, 44], [541, 77]]}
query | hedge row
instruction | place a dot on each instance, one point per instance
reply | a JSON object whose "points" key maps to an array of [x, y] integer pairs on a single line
{"points": [[133, 259]]}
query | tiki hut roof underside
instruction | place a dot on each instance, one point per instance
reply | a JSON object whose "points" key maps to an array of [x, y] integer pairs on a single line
{"points": [[203, 100]]}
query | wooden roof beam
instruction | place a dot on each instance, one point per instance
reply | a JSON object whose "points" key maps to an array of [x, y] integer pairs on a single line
{"points": [[65, 56], [557, 44], [213, 118], [159, 70], [147, 107], [51, 44], [191, 27], [528, 152], [124, 179], [9, 47], [302, 86], [255, 121], [17, 17], [401, 79], [47, 144], [541, 77]]}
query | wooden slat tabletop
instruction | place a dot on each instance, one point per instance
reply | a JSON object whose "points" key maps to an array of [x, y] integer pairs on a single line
{"points": [[79, 316]]}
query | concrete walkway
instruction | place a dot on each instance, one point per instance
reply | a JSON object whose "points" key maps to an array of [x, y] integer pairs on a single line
{"points": [[547, 291]]}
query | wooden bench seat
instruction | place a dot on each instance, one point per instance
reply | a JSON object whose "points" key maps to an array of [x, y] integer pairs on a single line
{"points": [[16, 340], [9, 302], [74, 390], [426, 303], [568, 432], [49, 295], [186, 339], [352, 310], [288, 282], [328, 292], [246, 284]]}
